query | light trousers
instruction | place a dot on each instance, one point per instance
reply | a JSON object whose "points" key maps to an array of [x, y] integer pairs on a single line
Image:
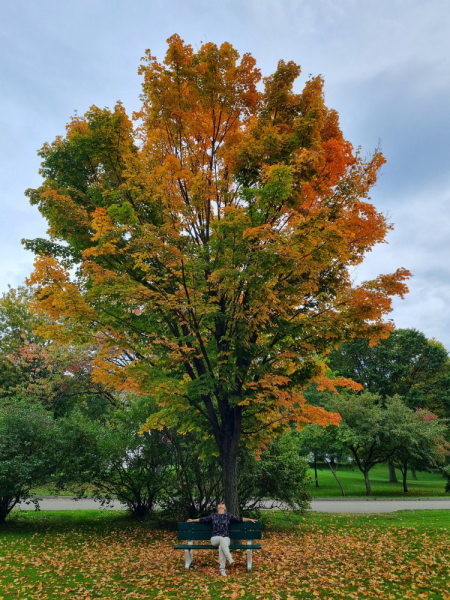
{"points": [[224, 549]]}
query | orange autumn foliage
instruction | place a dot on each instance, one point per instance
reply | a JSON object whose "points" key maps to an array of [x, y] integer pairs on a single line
{"points": [[213, 240]]}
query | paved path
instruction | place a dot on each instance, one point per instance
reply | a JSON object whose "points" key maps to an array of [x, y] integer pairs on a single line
{"points": [[378, 506], [348, 505]]}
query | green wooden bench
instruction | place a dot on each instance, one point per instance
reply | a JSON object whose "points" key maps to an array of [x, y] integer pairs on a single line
{"points": [[202, 532]]}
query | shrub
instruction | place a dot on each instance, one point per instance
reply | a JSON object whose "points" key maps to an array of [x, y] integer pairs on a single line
{"points": [[28, 453]]}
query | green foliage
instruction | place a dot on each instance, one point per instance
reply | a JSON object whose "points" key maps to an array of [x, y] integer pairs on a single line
{"points": [[406, 363], [116, 460], [17, 324], [423, 444], [28, 453], [54, 375], [376, 432], [323, 444], [368, 429], [280, 475], [16, 329], [196, 486], [427, 484]]}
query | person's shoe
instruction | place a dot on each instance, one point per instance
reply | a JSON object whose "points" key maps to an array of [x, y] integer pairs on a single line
{"points": [[223, 572], [230, 561]]}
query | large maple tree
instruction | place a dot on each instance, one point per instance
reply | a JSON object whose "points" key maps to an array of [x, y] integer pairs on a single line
{"points": [[207, 245]]}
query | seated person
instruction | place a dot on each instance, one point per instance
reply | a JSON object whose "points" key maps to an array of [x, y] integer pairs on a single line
{"points": [[220, 534]]}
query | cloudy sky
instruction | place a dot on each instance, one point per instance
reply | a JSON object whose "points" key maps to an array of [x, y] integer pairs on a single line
{"points": [[386, 65]]}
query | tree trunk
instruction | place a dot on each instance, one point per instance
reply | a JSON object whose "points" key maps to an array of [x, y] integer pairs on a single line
{"points": [[315, 471], [413, 474], [6, 506], [404, 473], [337, 478], [227, 439], [230, 489], [392, 474], [367, 482]]}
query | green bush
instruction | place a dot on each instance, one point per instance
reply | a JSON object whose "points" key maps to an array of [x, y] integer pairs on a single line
{"points": [[28, 453], [279, 475], [115, 461]]}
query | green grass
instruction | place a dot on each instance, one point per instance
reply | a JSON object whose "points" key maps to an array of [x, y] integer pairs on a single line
{"points": [[105, 554], [428, 484], [429, 521]]}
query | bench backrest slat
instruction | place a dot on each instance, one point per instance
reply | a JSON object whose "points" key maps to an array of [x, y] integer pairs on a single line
{"points": [[194, 527], [202, 531]]}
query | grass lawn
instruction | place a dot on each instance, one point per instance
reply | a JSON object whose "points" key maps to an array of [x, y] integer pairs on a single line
{"points": [[49, 491], [428, 484], [99, 554]]}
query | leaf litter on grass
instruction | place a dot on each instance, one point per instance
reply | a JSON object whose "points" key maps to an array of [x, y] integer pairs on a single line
{"points": [[365, 562]]}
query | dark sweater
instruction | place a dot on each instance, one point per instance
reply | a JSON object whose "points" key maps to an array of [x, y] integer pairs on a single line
{"points": [[220, 523]]}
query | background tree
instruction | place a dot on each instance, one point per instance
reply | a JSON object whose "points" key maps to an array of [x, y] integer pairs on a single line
{"points": [[17, 327], [373, 432], [42, 372], [446, 474], [406, 363], [280, 474], [311, 443], [212, 245], [115, 461], [28, 454], [17, 323], [59, 377], [324, 445], [423, 444]]}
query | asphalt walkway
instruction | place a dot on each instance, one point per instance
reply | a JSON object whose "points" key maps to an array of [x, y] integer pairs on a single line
{"points": [[331, 505], [361, 505]]}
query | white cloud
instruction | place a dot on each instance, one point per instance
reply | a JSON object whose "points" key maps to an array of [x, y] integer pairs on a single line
{"points": [[386, 68], [420, 243]]}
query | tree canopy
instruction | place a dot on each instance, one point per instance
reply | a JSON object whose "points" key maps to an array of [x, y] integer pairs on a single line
{"points": [[28, 453], [406, 363], [378, 432], [207, 246], [43, 372]]}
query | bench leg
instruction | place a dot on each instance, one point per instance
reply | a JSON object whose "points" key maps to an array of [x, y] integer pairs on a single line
{"points": [[188, 555], [249, 556]]}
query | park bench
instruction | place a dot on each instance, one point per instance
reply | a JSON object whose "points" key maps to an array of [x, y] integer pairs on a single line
{"points": [[202, 532]]}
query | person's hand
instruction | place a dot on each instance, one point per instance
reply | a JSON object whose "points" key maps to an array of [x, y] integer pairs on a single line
{"points": [[189, 521]]}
